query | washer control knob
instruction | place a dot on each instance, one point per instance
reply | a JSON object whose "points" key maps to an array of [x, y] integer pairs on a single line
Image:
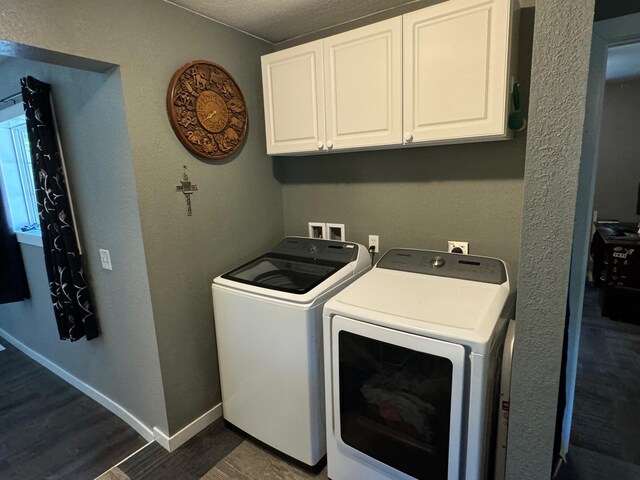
{"points": [[313, 248], [437, 262]]}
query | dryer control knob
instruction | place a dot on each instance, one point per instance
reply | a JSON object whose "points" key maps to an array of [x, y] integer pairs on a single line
{"points": [[437, 262]]}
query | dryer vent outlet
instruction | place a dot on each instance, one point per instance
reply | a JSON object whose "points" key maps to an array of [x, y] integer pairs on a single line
{"points": [[335, 231], [458, 247]]}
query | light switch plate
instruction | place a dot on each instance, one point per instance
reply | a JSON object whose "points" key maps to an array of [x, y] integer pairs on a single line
{"points": [[105, 259]]}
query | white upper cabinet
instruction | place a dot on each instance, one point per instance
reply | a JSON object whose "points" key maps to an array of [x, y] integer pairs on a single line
{"points": [[442, 74], [363, 86], [456, 71], [294, 99]]}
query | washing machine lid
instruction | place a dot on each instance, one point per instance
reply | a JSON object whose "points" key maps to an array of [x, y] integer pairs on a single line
{"points": [[296, 265], [452, 301]]}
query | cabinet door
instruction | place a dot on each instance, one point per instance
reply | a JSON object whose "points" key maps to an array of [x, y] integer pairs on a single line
{"points": [[294, 99], [456, 68], [363, 86]]}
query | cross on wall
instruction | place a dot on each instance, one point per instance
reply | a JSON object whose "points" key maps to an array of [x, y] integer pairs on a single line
{"points": [[187, 188]]}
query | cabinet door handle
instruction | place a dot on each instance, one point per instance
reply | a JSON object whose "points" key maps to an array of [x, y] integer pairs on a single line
{"points": [[408, 137], [320, 145], [329, 144]]}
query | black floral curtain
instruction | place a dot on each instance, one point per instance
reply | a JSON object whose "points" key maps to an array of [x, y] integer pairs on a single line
{"points": [[69, 290], [13, 279]]}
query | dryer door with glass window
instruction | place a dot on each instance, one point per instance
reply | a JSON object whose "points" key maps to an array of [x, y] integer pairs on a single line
{"points": [[397, 399]]}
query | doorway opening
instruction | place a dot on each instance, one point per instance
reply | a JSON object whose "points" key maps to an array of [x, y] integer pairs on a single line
{"points": [[604, 329]]}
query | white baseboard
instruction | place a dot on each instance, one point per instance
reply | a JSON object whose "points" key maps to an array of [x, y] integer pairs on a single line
{"points": [[191, 430], [91, 392]]}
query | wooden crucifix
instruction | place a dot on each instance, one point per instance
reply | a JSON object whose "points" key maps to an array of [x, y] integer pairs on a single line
{"points": [[187, 188]]}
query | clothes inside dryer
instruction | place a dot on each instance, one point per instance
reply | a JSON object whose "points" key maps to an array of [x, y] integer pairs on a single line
{"points": [[395, 404]]}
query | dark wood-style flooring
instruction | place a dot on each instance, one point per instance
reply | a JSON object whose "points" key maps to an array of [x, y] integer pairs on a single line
{"points": [[605, 436], [50, 430], [216, 453], [190, 461]]}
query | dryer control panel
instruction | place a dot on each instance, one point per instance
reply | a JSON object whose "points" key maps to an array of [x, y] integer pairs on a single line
{"points": [[441, 264]]}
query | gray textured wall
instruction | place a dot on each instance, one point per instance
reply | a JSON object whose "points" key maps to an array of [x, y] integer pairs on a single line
{"points": [[123, 362], [618, 171], [418, 197], [238, 208], [561, 49]]}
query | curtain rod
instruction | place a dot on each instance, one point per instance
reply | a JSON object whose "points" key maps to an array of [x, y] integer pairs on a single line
{"points": [[6, 99]]}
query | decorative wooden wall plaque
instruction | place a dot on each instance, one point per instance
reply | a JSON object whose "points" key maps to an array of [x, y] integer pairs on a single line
{"points": [[206, 109]]}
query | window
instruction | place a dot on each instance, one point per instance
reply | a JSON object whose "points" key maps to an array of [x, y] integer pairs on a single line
{"points": [[16, 171]]}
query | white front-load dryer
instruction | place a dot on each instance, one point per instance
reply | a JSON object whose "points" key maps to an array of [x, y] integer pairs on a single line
{"points": [[268, 320], [412, 352]]}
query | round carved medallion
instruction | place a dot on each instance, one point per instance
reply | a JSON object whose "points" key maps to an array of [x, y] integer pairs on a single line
{"points": [[212, 111], [206, 109]]}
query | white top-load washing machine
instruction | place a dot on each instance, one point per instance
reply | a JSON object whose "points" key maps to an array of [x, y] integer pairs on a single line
{"points": [[268, 320], [412, 352]]}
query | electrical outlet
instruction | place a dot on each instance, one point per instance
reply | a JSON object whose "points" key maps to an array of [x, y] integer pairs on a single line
{"points": [[105, 259], [464, 246], [317, 230], [374, 241]]}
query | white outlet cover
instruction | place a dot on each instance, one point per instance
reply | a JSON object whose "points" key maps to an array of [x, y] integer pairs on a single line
{"points": [[464, 246], [374, 240]]}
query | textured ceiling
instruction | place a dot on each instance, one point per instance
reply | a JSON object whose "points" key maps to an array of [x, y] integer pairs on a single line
{"points": [[279, 20]]}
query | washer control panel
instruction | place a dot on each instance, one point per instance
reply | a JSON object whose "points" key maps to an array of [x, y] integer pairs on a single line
{"points": [[343, 252], [441, 264]]}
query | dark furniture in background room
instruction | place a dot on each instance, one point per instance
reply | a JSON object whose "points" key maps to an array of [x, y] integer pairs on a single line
{"points": [[616, 269]]}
